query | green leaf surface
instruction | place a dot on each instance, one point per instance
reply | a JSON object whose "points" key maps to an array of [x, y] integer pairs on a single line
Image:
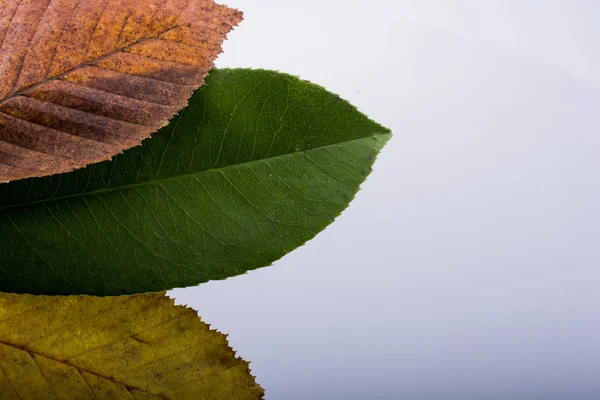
{"points": [[255, 166]]}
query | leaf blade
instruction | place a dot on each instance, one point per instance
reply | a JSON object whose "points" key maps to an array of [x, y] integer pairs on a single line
{"points": [[80, 81], [118, 347], [173, 213]]}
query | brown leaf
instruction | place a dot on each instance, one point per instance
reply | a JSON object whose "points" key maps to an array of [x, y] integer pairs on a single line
{"points": [[82, 80]]}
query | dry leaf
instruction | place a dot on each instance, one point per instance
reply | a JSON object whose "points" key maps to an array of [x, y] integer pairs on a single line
{"points": [[82, 80], [132, 347]]}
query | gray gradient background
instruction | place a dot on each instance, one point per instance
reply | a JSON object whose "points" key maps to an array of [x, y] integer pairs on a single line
{"points": [[467, 268]]}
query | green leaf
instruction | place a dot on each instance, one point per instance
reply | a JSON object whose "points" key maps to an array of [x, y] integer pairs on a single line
{"points": [[129, 347], [255, 166]]}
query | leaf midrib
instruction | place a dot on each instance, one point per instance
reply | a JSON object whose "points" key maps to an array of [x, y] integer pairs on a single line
{"points": [[157, 181], [79, 369], [83, 65]]}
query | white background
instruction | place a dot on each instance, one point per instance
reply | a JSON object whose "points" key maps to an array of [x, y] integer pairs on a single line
{"points": [[468, 267]]}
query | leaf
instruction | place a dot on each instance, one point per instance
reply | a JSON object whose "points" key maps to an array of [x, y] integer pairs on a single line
{"points": [[129, 347], [258, 164], [81, 80]]}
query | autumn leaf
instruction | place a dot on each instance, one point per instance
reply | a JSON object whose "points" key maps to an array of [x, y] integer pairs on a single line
{"points": [[131, 347], [258, 164], [82, 80]]}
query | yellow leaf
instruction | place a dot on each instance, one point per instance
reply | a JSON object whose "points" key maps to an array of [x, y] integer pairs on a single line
{"points": [[129, 347]]}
